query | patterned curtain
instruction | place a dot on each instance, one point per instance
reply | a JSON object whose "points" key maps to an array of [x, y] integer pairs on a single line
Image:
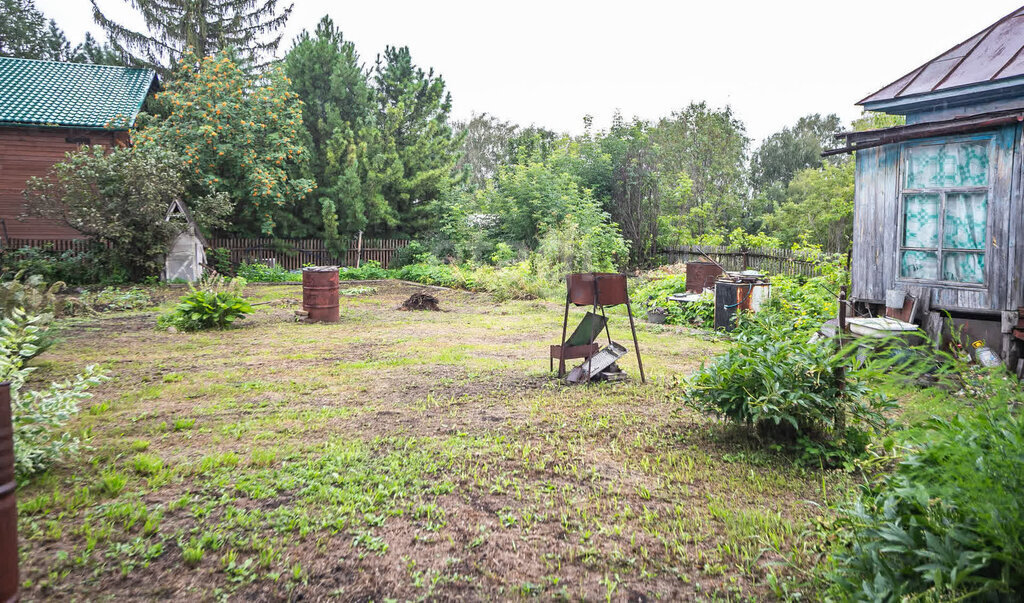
{"points": [[948, 165]]}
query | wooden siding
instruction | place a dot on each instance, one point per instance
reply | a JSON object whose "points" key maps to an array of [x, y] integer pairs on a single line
{"points": [[28, 152], [875, 265]]}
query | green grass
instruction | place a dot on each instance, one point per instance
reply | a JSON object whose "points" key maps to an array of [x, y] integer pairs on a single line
{"points": [[407, 455]]}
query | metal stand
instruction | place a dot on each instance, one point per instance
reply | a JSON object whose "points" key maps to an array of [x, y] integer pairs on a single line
{"points": [[596, 296]]}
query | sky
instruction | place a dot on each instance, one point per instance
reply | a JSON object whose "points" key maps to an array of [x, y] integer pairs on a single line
{"points": [[550, 63]]}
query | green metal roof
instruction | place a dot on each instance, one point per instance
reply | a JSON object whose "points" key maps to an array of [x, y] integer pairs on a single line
{"points": [[49, 93]]}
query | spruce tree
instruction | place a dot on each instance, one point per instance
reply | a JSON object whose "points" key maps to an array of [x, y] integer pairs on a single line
{"points": [[205, 26]]}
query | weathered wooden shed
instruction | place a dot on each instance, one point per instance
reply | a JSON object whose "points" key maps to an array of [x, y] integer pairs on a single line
{"points": [[48, 108], [938, 201], [186, 252]]}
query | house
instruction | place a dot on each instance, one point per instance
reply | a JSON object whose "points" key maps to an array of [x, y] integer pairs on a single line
{"points": [[938, 201], [49, 108]]}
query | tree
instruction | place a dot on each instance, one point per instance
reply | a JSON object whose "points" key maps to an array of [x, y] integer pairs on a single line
{"points": [[338, 115], [414, 158], [237, 136], [788, 151], [709, 146], [635, 188], [120, 197], [818, 207], [26, 34], [205, 26], [486, 145]]}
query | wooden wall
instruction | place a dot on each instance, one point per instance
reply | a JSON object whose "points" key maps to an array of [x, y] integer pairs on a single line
{"points": [[27, 152], [876, 230]]}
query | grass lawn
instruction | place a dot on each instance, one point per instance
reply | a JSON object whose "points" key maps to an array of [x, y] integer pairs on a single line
{"points": [[402, 455]]}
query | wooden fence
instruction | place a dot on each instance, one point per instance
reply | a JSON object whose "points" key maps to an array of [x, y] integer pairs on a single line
{"points": [[292, 254], [771, 261]]}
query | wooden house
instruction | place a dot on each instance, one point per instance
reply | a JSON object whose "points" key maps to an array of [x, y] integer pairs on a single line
{"points": [[186, 253], [49, 108], [938, 201]]}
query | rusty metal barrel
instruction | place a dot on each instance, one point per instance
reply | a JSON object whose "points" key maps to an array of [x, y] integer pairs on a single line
{"points": [[8, 507], [320, 293], [701, 276]]}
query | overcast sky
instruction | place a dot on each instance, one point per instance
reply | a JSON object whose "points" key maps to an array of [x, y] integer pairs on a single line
{"points": [[551, 62]]}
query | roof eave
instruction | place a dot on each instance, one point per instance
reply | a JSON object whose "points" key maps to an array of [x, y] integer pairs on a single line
{"points": [[964, 95]]}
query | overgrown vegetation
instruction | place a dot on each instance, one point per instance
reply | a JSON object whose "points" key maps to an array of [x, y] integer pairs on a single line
{"points": [[948, 522]]}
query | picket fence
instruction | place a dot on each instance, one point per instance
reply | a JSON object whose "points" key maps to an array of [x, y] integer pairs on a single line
{"points": [[292, 254], [767, 260]]}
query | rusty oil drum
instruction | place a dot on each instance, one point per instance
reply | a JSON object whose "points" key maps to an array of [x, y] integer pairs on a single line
{"points": [[701, 276], [320, 293], [8, 507]]}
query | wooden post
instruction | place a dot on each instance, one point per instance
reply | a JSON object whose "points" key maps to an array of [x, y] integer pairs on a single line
{"points": [[841, 332], [359, 249]]}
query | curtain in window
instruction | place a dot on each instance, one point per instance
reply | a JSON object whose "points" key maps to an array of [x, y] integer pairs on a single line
{"points": [[963, 267], [921, 221], [920, 264], [948, 165], [965, 221]]}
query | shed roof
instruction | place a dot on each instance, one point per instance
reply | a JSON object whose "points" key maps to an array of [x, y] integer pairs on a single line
{"points": [[50, 93], [993, 54]]}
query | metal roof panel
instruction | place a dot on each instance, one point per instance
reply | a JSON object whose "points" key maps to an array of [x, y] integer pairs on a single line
{"points": [[51, 93]]}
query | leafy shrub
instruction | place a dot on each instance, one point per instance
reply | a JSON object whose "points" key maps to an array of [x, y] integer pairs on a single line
{"points": [[30, 293], [38, 417], [774, 380], [407, 255], [367, 271], [93, 265], [24, 335], [220, 259], [430, 274], [261, 273], [949, 523], [215, 305]]}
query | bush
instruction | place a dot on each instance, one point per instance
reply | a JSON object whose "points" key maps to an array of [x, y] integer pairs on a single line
{"points": [[785, 387], [220, 259], [93, 265], [118, 300], [261, 273], [431, 274], [655, 292], [407, 255], [367, 271], [38, 417], [949, 523], [215, 305]]}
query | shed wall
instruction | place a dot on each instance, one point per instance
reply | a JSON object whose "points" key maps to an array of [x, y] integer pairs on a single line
{"points": [[876, 230], [28, 152]]}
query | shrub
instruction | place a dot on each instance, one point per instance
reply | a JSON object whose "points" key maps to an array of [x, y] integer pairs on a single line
{"points": [[38, 417], [367, 271], [93, 265], [220, 259], [431, 274], [215, 305], [118, 299], [776, 381], [407, 255], [948, 524], [31, 293], [261, 273]]}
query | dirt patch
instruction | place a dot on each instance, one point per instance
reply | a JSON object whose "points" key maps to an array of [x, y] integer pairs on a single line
{"points": [[421, 301]]}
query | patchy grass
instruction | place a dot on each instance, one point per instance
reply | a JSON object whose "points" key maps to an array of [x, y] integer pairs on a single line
{"points": [[403, 455]]}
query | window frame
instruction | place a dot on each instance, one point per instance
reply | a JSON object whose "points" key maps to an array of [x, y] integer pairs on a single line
{"points": [[942, 193]]}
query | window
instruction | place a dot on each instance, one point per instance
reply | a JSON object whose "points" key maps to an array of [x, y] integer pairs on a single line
{"points": [[945, 212]]}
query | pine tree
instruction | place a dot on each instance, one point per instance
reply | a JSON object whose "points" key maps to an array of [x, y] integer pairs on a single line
{"points": [[206, 26], [338, 114], [417, 151], [26, 34]]}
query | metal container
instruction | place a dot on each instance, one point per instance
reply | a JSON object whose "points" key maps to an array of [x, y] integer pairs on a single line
{"points": [[739, 293], [701, 276], [609, 289], [320, 293], [8, 507]]}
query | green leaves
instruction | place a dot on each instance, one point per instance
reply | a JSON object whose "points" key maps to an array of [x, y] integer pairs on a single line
{"points": [[207, 308]]}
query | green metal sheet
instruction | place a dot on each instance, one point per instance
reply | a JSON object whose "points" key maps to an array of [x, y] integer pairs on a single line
{"points": [[49, 93], [587, 331]]}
